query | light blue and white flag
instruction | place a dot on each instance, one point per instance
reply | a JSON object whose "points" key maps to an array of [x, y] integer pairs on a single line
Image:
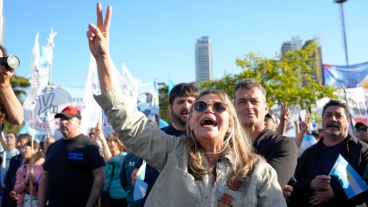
{"points": [[308, 141], [349, 179], [140, 187]]}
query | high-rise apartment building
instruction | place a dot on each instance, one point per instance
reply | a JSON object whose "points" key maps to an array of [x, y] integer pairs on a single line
{"points": [[203, 59], [295, 44], [317, 57]]}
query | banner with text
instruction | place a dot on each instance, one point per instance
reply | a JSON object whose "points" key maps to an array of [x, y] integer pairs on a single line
{"points": [[357, 101]]}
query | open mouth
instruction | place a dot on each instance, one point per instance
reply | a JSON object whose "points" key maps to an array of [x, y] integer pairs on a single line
{"points": [[333, 126], [184, 112], [208, 122]]}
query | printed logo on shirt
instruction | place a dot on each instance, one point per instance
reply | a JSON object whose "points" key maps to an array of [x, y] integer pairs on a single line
{"points": [[75, 156], [131, 164]]}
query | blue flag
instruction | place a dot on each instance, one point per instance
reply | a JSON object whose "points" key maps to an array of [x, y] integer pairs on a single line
{"points": [[308, 141], [171, 85], [349, 179], [140, 189], [163, 123]]}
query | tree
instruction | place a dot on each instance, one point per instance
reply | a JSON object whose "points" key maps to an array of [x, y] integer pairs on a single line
{"points": [[164, 102], [19, 84], [290, 78]]}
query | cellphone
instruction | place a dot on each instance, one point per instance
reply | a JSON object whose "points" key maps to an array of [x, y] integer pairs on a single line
{"points": [[292, 181]]}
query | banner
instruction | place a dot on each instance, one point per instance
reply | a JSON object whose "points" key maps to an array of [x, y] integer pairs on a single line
{"points": [[51, 101], [357, 102], [341, 76], [36, 98]]}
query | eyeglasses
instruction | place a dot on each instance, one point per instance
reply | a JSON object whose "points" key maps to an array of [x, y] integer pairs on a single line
{"points": [[201, 106]]}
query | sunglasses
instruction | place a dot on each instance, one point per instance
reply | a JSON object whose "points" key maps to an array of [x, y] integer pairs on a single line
{"points": [[201, 106]]}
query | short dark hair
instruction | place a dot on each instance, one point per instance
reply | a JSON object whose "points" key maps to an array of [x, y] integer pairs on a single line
{"points": [[249, 84], [24, 136], [183, 90], [338, 104]]}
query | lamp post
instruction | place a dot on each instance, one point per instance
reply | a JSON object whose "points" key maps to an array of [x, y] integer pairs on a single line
{"points": [[341, 2]]}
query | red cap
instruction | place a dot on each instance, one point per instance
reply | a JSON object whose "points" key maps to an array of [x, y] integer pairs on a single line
{"points": [[69, 112]]}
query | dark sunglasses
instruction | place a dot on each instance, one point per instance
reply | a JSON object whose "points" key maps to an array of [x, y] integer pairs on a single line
{"points": [[201, 106]]}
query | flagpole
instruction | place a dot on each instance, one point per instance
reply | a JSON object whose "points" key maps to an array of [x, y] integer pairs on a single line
{"points": [[31, 161], [347, 104], [341, 2]]}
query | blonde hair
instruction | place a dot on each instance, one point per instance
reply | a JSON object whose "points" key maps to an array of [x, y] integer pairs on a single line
{"points": [[236, 143]]}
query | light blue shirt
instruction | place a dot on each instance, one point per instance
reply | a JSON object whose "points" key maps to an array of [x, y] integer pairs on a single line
{"points": [[116, 190]]}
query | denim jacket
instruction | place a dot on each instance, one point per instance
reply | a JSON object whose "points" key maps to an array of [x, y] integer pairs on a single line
{"points": [[176, 186]]}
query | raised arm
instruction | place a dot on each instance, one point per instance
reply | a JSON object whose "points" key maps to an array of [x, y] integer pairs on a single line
{"points": [[299, 137], [131, 126], [105, 147], [283, 119], [98, 40]]}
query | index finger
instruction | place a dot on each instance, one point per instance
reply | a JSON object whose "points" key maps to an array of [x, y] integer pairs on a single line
{"points": [[99, 124], [99, 14], [324, 177]]}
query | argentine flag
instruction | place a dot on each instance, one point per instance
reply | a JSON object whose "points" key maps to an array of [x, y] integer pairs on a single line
{"points": [[308, 141], [140, 187], [349, 179]]}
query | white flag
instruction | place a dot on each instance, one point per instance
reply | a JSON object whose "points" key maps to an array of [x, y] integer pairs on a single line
{"points": [[91, 111], [129, 85], [41, 66]]}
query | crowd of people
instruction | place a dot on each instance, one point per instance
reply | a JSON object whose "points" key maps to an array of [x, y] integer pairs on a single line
{"points": [[215, 152]]}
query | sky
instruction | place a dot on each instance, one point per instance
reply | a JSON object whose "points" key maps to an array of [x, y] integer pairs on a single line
{"points": [[156, 39]]}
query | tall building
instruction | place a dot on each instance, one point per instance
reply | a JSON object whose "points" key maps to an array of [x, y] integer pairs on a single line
{"points": [[203, 59], [317, 57], [295, 44]]}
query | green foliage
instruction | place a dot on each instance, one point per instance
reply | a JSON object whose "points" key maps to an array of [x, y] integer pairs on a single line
{"points": [[19, 84], [19, 81], [164, 103], [290, 78]]}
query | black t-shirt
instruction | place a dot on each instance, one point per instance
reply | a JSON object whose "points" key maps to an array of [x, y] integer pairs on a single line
{"points": [[69, 164], [280, 152], [170, 130], [327, 157]]}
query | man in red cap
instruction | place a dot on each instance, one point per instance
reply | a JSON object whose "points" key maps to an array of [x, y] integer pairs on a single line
{"points": [[73, 166]]}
